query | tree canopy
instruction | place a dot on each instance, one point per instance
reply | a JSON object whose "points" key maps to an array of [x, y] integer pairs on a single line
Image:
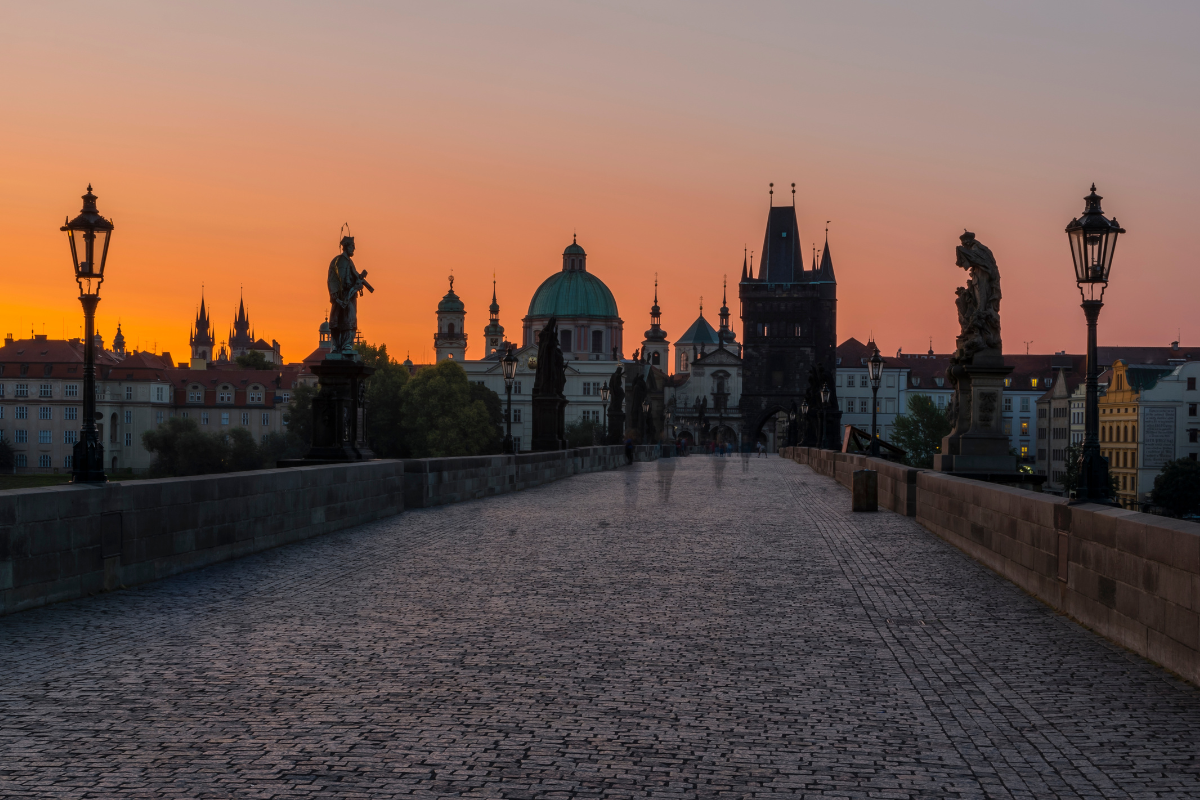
{"points": [[921, 430], [254, 360], [444, 414], [1177, 488]]}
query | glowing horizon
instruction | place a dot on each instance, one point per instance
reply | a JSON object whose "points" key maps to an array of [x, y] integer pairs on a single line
{"points": [[230, 143]]}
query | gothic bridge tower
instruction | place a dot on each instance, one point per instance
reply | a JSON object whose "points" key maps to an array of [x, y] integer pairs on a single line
{"points": [[789, 325]]}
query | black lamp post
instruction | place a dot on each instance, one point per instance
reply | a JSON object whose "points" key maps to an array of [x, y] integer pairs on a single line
{"points": [[875, 373], [605, 394], [824, 405], [88, 233], [646, 420], [509, 365], [1093, 240], [803, 435]]}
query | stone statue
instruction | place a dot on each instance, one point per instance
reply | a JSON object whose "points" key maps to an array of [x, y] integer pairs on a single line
{"points": [[616, 391], [346, 284], [551, 376], [978, 302]]}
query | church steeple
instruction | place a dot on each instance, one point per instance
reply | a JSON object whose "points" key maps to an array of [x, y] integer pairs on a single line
{"points": [[655, 347], [493, 334], [202, 337], [450, 341], [724, 335]]}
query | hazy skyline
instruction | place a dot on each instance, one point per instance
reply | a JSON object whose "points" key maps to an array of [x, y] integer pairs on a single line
{"points": [[229, 142]]}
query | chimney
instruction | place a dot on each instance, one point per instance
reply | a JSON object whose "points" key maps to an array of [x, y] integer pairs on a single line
{"points": [[1175, 345], [8, 339]]}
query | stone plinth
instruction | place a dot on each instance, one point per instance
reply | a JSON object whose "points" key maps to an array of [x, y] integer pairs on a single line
{"points": [[339, 425], [977, 444], [549, 423], [864, 490]]}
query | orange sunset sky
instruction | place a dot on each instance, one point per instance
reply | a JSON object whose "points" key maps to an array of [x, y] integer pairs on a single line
{"points": [[230, 141]]}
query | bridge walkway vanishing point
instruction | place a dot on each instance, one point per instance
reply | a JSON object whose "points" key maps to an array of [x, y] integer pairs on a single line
{"points": [[695, 627]]}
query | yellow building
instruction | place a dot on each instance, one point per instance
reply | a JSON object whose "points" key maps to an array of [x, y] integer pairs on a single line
{"points": [[1119, 441]]}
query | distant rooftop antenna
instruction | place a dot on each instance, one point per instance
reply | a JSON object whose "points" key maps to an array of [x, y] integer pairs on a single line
{"points": [[1027, 346]]}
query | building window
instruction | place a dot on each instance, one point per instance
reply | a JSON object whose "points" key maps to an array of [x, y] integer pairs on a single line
{"points": [[1024, 427], [22, 390], [45, 412], [45, 437], [225, 395], [941, 401], [266, 418], [1191, 385], [22, 412], [256, 396], [70, 437], [44, 460], [1024, 451], [21, 460], [245, 417], [203, 417], [597, 341], [517, 443], [45, 391], [850, 405], [862, 406], [22, 436], [1191, 409], [1192, 435], [516, 415], [683, 362], [516, 387], [68, 462], [1, 388], [195, 394], [862, 381], [128, 392], [128, 417], [71, 412], [564, 338], [183, 415], [129, 440], [286, 397], [224, 417], [1008, 404], [1024, 404], [890, 405], [1008, 427], [160, 394], [158, 418]]}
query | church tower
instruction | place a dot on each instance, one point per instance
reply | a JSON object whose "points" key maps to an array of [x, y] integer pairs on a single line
{"points": [[789, 326], [656, 350], [201, 339], [241, 339], [118, 343], [450, 341], [493, 334]]}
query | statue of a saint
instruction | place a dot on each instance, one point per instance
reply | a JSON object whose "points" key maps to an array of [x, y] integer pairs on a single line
{"points": [[346, 285], [616, 390], [979, 302], [551, 376]]}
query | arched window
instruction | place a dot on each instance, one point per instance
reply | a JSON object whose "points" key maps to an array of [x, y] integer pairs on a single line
{"points": [[1133, 434], [654, 358], [450, 328], [1125, 434]]}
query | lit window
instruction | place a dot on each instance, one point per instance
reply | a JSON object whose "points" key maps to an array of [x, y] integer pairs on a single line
{"points": [[1024, 451], [1033, 382], [1024, 427]]}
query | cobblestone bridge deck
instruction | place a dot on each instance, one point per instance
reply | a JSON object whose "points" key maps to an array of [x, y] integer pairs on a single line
{"points": [[694, 627]]}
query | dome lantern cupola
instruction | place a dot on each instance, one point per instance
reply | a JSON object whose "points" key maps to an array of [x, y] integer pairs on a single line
{"points": [[574, 257]]}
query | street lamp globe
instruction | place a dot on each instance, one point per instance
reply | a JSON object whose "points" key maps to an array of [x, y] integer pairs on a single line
{"points": [[804, 408], [605, 393], [1093, 240], [88, 233], [509, 365], [825, 395], [875, 368]]}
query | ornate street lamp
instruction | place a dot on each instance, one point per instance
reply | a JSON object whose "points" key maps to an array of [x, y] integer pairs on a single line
{"points": [[605, 394], [646, 419], [824, 404], [509, 365], [1093, 240], [88, 235], [875, 373]]}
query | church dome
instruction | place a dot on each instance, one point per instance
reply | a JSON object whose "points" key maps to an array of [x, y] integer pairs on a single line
{"points": [[451, 303], [573, 294]]}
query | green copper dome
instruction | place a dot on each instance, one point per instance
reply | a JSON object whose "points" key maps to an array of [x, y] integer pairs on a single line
{"points": [[573, 294]]}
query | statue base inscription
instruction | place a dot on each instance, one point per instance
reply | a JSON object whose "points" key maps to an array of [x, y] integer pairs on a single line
{"points": [[977, 442], [339, 429]]}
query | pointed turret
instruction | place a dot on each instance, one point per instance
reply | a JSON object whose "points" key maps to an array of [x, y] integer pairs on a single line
{"points": [[826, 273], [781, 261], [656, 350], [118, 343], [493, 334], [725, 335], [202, 337]]}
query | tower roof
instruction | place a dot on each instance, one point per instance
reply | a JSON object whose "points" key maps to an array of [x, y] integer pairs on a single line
{"points": [[451, 302], [700, 333], [573, 294], [780, 260], [573, 249], [826, 273]]}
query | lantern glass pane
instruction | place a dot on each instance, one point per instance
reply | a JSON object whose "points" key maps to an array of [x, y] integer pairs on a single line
{"points": [[1077, 255], [101, 254], [1108, 254]]}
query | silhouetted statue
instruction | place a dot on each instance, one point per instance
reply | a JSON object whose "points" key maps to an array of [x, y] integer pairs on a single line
{"points": [[549, 404], [345, 285]]}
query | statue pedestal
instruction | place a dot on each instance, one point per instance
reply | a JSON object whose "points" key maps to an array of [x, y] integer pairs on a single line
{"points": [[549, 423], [339, 429], [978, 443], [616, 427]]}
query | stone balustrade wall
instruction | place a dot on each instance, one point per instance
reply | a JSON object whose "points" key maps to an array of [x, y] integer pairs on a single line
{"points": [[63, 542], [1131, 577]]}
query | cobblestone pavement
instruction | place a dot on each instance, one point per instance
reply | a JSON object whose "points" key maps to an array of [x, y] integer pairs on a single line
{"points": [[695, 627]]}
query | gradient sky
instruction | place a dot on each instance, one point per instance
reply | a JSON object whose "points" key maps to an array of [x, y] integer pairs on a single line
{"points": [[229, 141]]}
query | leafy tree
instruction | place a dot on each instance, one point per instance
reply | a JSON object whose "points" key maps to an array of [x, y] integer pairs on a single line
{"points": [[1177, 487], [243, 453], [494, 405], [385, 428], [181, 449], [254, 360], [441, 415], [8, 458], [584, 433], [278, 446], [921, 430], [298, 415]]}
